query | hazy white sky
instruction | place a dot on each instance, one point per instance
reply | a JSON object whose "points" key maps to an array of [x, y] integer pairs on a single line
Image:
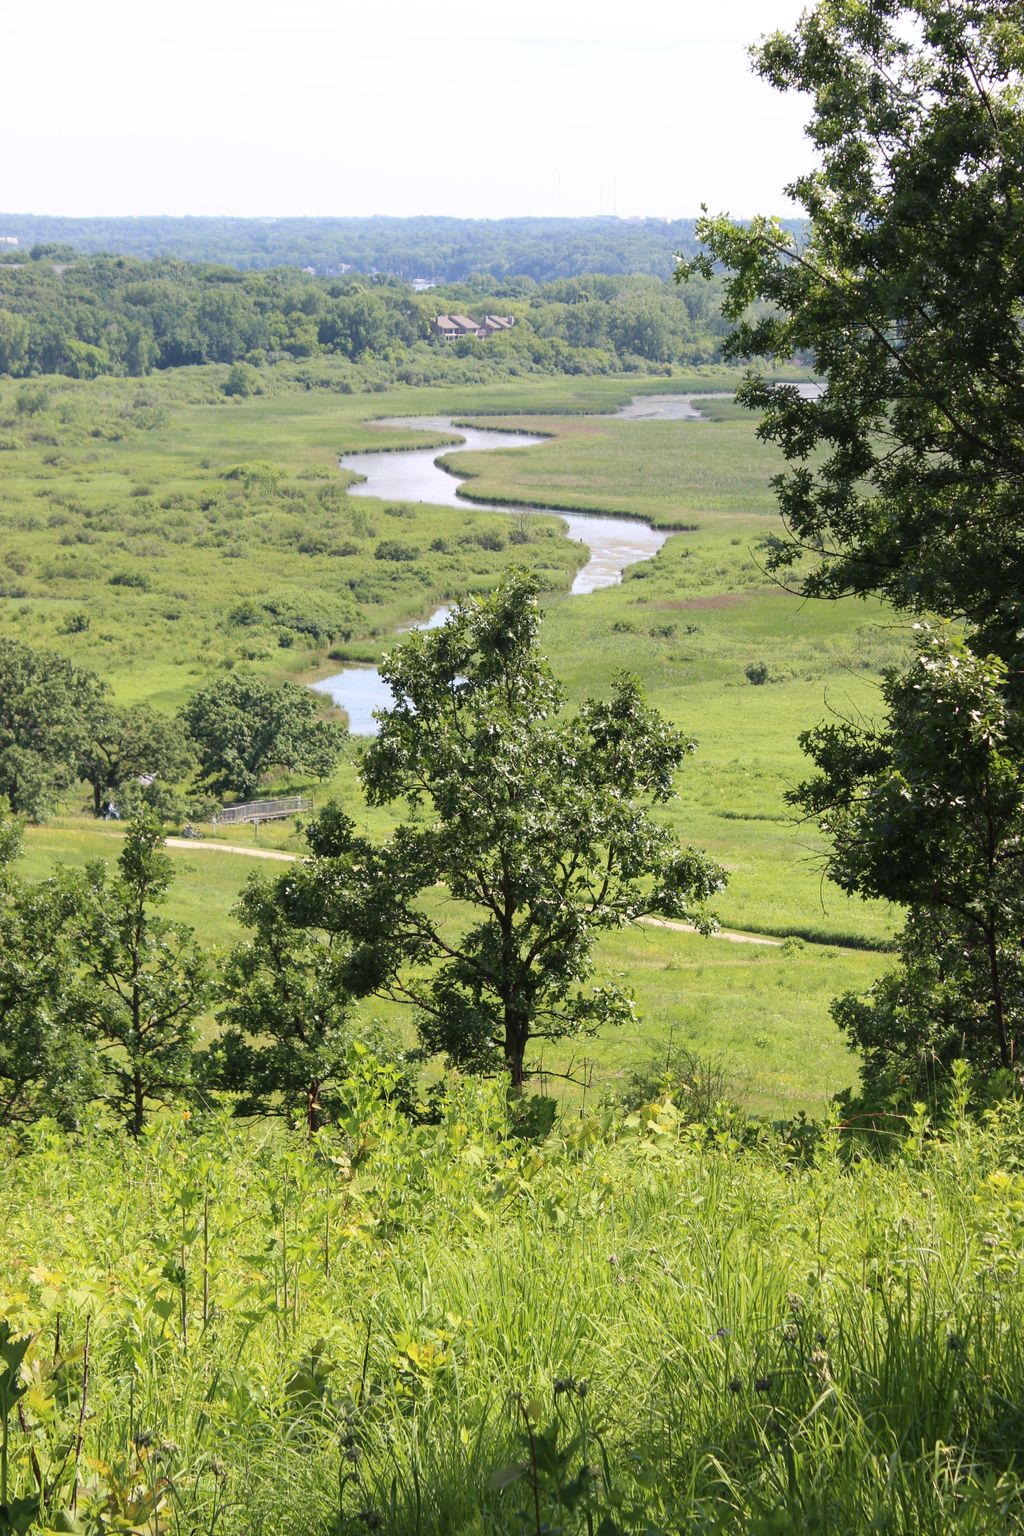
{"points": [[386, 106]]}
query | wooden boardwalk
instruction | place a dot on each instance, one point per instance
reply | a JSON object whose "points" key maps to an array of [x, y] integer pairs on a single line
{"points": [[262, 810]]}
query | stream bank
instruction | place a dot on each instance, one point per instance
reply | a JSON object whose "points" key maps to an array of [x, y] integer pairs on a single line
{"points": [[414, 475]]}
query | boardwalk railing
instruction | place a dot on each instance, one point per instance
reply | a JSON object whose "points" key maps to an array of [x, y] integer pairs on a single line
{"points": [[262, 810]]}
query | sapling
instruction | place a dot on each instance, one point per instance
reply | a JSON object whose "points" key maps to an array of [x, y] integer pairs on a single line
{"points": [[145, 978]]}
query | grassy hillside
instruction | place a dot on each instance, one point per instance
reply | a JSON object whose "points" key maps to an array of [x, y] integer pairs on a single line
{"points": [[634, 1327]]}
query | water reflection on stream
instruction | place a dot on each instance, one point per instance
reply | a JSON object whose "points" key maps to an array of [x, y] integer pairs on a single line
{"points": [[413, 475]]}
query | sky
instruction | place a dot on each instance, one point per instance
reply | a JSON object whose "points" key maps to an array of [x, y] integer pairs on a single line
{"points": [[465, 107]]}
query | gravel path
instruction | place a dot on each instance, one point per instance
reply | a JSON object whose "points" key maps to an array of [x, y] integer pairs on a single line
{"points": [[723, 933], [276, 853], [199, 845]]}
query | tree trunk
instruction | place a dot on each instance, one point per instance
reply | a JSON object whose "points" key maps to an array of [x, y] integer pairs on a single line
{"points": [[517, 1034], [312, 1109], [138, 1104], [1005, 1047]]}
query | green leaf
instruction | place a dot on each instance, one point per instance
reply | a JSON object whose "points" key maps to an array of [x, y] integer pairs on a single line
{"points": [[19, 1515], [13, 1350]]}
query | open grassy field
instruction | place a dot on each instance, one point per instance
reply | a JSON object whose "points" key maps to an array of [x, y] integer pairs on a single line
{"points": [[755, 1009], [695, 475], [195, 534]]}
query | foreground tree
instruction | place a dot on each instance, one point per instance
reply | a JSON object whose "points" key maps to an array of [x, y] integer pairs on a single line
{"points": [[906, 477], [908, 471], [45, 707], [539, 830], [47, 1061], [287, 1041], [145, 979], [242, 727], [928, 811]]}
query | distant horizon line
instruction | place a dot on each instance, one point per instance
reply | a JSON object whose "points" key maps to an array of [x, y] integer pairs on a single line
{"points": [[468, 218]]}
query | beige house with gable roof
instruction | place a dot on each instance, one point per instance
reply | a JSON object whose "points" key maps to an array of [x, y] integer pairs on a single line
{"points": [[454, 327]]}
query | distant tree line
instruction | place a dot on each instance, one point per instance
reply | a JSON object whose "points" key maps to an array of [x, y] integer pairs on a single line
{"points": [[443, 250], [121, 315]]}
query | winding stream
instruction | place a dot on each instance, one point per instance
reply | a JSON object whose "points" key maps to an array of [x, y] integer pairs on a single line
{"points": [[413, 475]]}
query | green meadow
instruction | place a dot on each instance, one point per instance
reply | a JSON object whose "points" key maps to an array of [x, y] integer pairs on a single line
{"points": [[752, 1008], [160, 533]]}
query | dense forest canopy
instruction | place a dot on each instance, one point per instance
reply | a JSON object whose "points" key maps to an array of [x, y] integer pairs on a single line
{"points": [[119, 314], [444, 250]]}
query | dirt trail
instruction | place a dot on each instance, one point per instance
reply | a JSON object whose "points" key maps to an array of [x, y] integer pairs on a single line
{"points": [[730, 936], [277, 853], [198, 845], [201, 845]]}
